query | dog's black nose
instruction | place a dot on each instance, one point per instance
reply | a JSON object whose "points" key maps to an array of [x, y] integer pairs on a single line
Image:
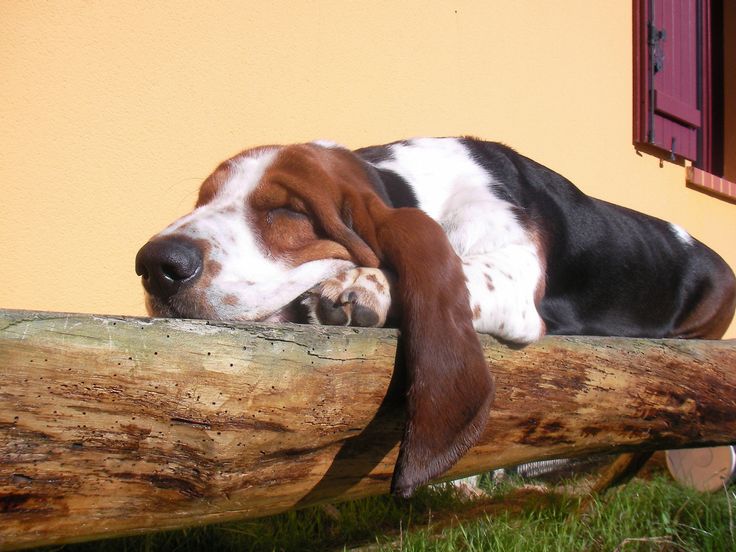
{"points": [[167, 264]]}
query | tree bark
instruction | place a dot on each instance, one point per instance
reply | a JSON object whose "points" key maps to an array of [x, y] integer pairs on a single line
{"points": [[113, 425]]}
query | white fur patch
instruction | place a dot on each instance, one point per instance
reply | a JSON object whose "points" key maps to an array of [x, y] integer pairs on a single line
{"points": [[457, 192], [681, 234], [502, 284], [327, 144]]}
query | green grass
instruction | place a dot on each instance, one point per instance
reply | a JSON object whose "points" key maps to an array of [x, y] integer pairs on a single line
{"points": [[641, 516], [644, 515]]}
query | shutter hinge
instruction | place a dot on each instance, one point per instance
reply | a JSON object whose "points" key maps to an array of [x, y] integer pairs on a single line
{"points": [[655, 49], [655, 37]]}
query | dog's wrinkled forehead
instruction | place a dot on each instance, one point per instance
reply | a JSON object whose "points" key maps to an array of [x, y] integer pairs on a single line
{"points": [[224, 193], [221, 219]]}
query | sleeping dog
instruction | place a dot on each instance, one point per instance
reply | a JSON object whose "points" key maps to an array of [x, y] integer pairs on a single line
{"points": [[443, 237]]}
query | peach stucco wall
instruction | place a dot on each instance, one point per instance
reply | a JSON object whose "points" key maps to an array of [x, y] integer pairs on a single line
{"points": [[111, 113]]}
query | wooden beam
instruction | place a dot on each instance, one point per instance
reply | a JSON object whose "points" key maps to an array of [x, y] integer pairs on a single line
{"points": [[113, 426]]}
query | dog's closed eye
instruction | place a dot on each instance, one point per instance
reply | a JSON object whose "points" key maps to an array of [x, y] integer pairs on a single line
{"points": [[275, 215]]}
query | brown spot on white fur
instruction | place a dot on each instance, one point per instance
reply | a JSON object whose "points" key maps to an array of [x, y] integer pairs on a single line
{"points": [[379, 286], [231, 299]]}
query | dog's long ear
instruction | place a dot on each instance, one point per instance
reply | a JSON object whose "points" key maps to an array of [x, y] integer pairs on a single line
{"points": [[450, 389]]}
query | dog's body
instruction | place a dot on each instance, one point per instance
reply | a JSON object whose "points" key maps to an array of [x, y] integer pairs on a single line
{"points": [[446, 235]]}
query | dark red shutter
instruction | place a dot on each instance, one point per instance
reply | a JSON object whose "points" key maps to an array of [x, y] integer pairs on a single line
{"points": [[669, 105]]}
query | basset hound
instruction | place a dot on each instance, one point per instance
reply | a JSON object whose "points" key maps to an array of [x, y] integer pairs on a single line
{"points": [[443, 237]]}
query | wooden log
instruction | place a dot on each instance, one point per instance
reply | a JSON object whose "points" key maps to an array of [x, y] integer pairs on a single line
{"points": [[112, 426]]}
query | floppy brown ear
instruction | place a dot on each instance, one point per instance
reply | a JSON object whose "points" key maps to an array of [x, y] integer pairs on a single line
{"points": [[450, 389]]}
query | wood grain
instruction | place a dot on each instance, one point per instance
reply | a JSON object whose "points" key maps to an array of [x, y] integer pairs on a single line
{"points": [[113, 426]]}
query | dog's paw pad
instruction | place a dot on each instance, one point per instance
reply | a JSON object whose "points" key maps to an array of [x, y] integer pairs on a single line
{"points": [[330, 313]]}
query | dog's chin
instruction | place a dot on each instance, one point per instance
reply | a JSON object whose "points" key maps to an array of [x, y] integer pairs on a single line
{"points": [[296, 312], [159, 309]]}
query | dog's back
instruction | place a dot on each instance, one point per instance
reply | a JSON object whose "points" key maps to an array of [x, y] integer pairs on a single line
{"points": [[608, 270]]}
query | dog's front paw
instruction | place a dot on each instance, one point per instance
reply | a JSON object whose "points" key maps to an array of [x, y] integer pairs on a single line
{"points": [[357, 297]]}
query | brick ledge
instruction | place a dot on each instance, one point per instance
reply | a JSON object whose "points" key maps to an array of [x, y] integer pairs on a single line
{"points": [[714, 184]]}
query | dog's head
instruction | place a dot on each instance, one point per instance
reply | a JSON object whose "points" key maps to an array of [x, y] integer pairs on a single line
{"points": [[269, 224], [273, 222]]}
